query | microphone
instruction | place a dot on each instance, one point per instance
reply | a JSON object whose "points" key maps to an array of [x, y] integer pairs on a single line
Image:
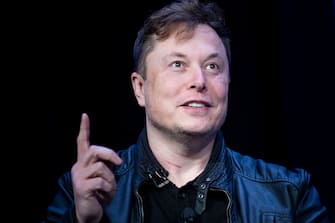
{"points": [[187, 215]]}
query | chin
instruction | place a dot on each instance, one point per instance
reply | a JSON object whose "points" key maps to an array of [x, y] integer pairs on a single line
{"points": [[195, 131]]}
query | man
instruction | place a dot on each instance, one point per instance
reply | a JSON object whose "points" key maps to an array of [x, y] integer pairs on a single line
{"points": [[180, 169]]}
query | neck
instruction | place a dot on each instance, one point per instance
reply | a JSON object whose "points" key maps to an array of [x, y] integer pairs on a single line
{"points": [[183, 159]]}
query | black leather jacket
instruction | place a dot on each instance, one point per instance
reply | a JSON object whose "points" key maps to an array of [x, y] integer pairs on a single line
{"points": [[257, 191]]}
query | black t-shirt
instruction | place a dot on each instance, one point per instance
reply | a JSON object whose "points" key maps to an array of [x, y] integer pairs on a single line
{"points": [[170, 204]]}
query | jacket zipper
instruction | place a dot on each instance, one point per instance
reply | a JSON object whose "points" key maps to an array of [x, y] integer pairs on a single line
{"points": [[140, 207], [228, 210]]}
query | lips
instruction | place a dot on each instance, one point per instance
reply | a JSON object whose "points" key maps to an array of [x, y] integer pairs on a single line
{"points": [[196, 104]]}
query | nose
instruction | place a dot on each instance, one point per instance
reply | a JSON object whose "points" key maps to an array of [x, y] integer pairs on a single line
{"points": [[198, 80]]}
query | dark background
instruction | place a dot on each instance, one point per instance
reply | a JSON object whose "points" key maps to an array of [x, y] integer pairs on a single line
{"points": [[281, 95]]}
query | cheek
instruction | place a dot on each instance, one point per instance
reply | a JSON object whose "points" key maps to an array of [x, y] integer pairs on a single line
{"points": [[167, 88], [157, 92], [221, 91], [225, 91]]}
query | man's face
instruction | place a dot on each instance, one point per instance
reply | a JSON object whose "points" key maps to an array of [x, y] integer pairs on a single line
{"points": [[186, 86]]}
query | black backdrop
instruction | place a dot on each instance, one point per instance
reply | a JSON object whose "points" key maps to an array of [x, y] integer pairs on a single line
{"points": [[281, 94]]}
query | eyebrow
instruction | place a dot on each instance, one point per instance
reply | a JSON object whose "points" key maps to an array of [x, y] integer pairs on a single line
{"points": [[181, 55], [214, 55], [174, 54]]}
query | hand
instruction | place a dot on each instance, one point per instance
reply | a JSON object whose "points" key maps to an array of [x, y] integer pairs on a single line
{"points": [[93, 181]]}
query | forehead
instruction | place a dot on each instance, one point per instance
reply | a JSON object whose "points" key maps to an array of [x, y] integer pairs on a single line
{"points": [[182, 32], [201, 39]]}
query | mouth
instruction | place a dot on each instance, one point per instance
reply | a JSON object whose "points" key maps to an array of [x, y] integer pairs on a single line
{"points": [[196, 104]]}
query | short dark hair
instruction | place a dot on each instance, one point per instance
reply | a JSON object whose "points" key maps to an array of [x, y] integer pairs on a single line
{"points": [[162, 23]]}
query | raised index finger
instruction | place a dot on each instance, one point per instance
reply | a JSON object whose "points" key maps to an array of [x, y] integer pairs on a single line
{"points": [[83, 139]]}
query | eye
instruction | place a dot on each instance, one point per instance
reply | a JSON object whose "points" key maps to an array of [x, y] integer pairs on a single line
{"points": [[177, 64], [212, 67]]}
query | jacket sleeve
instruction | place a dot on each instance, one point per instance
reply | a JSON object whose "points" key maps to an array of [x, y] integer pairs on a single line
{"points": [[61, 209], [309, 207]]}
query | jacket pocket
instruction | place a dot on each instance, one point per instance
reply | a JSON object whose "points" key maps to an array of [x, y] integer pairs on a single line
{"points": [[276, 218]]}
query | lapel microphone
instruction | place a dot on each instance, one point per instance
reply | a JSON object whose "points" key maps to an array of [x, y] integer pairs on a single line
{"points": [[187, 215]]}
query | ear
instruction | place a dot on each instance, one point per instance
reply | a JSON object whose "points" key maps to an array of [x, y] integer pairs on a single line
{"points": [[137, 82]]}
